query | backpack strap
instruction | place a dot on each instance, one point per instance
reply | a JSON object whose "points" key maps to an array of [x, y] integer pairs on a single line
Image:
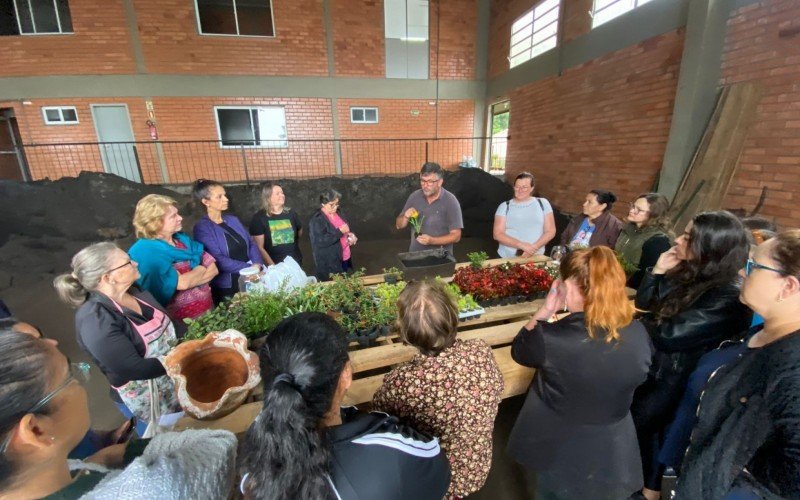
{"points": [[508, 204]]}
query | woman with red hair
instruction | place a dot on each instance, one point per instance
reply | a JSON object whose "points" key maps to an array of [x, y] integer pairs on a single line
{"points": [[575, 430]]}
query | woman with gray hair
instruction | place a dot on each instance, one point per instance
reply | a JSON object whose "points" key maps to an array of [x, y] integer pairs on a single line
{"points": [[331, 238], [125, 331]]}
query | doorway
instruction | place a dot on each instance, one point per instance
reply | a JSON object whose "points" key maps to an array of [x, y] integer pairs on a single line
{"points": [[117, 149], [13, 165]]}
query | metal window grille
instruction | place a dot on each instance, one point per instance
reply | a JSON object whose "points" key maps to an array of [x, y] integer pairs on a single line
{"points": [[534, 32], [606, 10]]}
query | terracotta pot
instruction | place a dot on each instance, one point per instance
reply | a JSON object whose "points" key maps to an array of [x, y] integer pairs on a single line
{"points": [[214, 375]]}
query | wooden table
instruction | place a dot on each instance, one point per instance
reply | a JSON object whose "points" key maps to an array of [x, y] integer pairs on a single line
{"points": [[497, 327]]}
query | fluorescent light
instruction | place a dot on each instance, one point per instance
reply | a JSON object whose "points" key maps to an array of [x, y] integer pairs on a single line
{"points": [[413, 39]]}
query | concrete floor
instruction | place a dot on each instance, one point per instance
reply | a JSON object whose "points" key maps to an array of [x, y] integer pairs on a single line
{"points": [[34, 300]]}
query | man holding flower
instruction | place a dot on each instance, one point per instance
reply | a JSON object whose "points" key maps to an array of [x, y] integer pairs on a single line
{"points": [[433, 212]]}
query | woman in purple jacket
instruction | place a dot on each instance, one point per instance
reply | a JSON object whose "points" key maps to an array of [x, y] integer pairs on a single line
{"points": [[224, 237]]}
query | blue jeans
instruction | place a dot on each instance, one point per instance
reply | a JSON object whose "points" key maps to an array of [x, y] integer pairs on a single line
{"points": [[141, 425]]}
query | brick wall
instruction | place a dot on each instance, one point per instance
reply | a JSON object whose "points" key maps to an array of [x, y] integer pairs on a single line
{"points": [[763, 45], [171, 44], [575, 21], [182, 122], [99, 45], [603, 124], [358, 38], [503, 15], [405, 119], [49, 160], [453, 40]]}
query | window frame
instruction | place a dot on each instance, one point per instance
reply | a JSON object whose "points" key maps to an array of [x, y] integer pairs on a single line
{"points": [[236, 17], [365, 121], [593, 13], [60, 110], [534, 31], [284, 142], [33, 21]]}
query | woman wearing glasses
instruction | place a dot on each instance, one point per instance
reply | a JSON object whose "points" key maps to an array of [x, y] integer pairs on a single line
{"points": [[331, 238], [747, 438], [692, 299], [524, 224], [646, 235], [44, 414], [124, 330]]}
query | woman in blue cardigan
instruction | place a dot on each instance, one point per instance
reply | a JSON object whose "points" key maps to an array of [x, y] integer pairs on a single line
{"points": [[174, 268], [224, 237]]}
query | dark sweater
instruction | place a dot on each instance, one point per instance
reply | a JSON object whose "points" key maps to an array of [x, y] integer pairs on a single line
{"points": [[108, 337]]}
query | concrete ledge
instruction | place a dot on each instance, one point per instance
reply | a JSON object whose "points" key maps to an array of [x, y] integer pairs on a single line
{"points": [[235, 86]]}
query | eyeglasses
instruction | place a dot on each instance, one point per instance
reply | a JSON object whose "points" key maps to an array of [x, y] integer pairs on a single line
{"points": [[522, 188], [428, 182], [77, 371], [333, 204], [130, 262], [752, 265], [636, 210]]}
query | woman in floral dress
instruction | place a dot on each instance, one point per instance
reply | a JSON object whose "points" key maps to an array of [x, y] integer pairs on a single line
{"points": [[451, 389]]}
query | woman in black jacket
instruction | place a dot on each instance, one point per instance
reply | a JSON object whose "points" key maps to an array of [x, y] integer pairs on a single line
{"points": [[303, 444], [747, 438], [575, 430], [125, 331], [692, 299], [331, 238]]}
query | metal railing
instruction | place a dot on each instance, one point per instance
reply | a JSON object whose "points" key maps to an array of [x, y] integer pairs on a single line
{"points": [[177, 162]]}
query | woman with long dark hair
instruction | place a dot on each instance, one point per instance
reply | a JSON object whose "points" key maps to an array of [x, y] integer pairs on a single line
{"points": [[646, 235], [304, 445], [575, 429], [692, 299]]}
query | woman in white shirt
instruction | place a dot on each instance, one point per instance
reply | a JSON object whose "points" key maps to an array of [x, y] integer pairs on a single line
{"points": [[524, 224]]}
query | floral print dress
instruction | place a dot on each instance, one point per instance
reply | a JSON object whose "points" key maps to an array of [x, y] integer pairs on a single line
{"points": [[453, 396]]}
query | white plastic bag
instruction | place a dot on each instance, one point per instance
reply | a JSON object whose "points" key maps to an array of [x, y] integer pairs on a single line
{"points": [[287, 274]]}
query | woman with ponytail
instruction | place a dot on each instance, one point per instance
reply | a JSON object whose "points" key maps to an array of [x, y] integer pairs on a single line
{"points": [[304, 445], [575, 430], [125, 330]]}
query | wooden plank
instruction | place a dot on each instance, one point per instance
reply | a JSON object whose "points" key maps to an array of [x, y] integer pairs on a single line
{"points": [[517, 379], [512, 260], [388, 355], [237, 421], [715, 162]]}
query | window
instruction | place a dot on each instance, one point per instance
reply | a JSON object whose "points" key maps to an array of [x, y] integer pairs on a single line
{"points": [[34, 17], [60, 115], [534, 32], [606, 10], [364, 115], [263, 127], [406, 38], [235, 17]]}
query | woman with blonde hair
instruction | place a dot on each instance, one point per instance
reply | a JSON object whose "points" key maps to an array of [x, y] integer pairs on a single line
{"points": [[174, 268], [451, 389], [276, 228], [575, 429]]}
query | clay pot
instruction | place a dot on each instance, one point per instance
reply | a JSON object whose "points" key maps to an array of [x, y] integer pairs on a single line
{"points": [[213, 376]]}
